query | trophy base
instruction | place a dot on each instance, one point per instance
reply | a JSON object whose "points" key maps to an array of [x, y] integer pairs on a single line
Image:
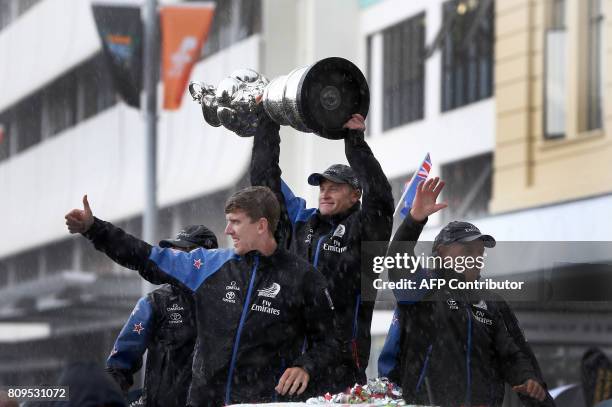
{"points": [[331, 91]]}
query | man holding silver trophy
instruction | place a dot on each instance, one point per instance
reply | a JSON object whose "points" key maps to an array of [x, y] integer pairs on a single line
{"points": [[329, 98]]}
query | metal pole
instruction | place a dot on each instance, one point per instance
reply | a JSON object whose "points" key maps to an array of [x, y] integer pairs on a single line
{"points": [[150, 68]]}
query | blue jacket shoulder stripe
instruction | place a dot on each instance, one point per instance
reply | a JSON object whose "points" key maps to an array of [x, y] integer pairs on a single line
{"points": [[192, 268], [296, 206]]}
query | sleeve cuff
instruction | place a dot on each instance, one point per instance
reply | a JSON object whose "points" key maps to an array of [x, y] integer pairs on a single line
{"points": [[305, 364], [94, 229]]}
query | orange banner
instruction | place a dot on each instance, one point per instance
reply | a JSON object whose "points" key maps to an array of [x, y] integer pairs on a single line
{"points": [[184, 30]]}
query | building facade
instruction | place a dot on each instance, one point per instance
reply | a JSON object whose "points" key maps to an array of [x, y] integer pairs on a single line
{"points": [[509, 97]]}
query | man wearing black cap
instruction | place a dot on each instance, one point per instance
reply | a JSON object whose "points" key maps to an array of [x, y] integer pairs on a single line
{"points": [[163, 324], [256, 303], [457, 347], [330, 237]]}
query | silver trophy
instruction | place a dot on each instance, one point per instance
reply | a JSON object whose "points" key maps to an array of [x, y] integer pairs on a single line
{"points": [[318, 99]]}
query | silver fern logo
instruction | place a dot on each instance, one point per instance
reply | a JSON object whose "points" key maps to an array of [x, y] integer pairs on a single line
{"points": [[270, 292]]}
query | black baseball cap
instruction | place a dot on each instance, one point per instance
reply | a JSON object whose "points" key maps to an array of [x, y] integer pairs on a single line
{"points": [[191, 236], [458, 232], [338, 173]]}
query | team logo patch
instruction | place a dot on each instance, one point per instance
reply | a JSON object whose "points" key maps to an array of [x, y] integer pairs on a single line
{"points": [[480, 317], [270, 292], [265, 307], [309, 236], [138, 328], [340, 230], [197, 263], [174, 308], [232, 286], [230, 297], [481, 304], [452, 304], [176, 318]]}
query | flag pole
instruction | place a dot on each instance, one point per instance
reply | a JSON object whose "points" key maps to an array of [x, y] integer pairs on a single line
{"points": [[401, 200], [150, 70]]}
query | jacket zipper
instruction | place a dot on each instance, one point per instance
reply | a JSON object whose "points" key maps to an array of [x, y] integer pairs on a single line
{"points": [[424, 370], [314, 264], [316, 257], [354, 347], [468, 357], [247, 301]]}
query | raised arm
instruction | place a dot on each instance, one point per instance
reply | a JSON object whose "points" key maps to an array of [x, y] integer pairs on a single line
{"points": [[377, 198], [265, 171], [409, 231], [120, 246], [155, 264]]}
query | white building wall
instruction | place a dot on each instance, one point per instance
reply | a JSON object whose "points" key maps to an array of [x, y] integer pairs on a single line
{"points": [[104, 157], [340, 28], [46, 41], [448, 136]]}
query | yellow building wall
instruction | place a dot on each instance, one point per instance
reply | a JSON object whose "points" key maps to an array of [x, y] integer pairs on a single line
{"points": [[530, 170]]}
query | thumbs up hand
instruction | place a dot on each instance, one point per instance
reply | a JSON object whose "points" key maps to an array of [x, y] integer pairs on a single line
{"points": [[80, 220]]}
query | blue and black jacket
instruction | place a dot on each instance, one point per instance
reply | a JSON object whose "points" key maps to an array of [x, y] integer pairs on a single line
{"points": [[253, 313], [454, 348], [163, 323], [333, 244]]}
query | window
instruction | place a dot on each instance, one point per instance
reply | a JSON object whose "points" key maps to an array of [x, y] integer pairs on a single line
{"points": [[25, 5], [12, 9], [557, 15], [59, 256], [555, 74], [28, 118], [468, 187], [594, 83], [403, 72], [165, 217], [61, 104], [5, 13], [467, 53], [97, 88], [80, 93], [4, 272], [26, 265], [206, 211], [6, 120], [92, 260], [133, 226]]}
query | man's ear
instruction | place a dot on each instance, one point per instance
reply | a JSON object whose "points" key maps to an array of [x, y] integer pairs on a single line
{"points": [[262, 226], [355, 195]]}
